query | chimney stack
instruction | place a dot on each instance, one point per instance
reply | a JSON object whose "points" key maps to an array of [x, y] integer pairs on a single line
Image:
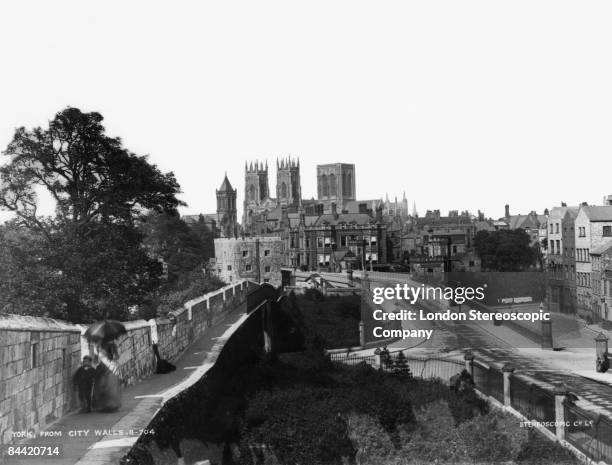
{"points": [[507, 211]]}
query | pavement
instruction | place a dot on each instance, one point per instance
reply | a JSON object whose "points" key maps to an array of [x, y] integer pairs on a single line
{"points": [[572, 363], [104, 438]]}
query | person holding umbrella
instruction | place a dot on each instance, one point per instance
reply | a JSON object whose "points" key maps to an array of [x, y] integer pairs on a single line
{"points": [[107, 386]]}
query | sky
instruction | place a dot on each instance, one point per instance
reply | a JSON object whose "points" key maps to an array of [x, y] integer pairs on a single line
{"points": [[461, 104]]}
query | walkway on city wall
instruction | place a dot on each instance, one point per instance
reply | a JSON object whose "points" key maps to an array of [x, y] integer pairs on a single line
{"points": [[103, 438]]}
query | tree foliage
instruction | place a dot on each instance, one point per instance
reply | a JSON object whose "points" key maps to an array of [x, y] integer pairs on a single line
{"points": [[91, 176], [168, 237], [87, 261], [504, 250]]}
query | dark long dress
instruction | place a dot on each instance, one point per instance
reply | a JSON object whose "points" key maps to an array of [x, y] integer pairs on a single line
{"points": [[107, 390]]}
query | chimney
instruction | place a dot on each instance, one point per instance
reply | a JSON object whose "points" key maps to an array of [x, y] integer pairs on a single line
{"points": [[608, 200], [363, 208], [507, 211], [379, 212]]}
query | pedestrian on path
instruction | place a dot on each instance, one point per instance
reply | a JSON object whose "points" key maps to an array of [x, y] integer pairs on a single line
{"points": [[84, 381], [107, 387]]}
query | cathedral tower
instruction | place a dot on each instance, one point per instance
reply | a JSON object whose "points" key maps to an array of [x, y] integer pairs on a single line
{"points": [[335, 184], [227, 214], [288, 187], [256, 191]]}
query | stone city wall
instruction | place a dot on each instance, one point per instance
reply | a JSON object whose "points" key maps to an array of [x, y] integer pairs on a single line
{"points": [[38, 356], [37, 359]]}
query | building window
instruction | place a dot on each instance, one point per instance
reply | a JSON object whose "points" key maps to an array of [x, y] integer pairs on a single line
{"points": [[267, 268], [267, 251], [248, 267], [266, 280], [607, 231], [34, 355], [245, 253], [581, 231], [229, 267], [558, 247], [557, 228]]}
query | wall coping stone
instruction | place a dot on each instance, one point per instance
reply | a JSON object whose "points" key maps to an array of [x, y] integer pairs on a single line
{"points": [[13, 322]]}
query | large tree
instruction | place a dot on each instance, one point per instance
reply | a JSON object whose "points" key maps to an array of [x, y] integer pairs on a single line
{"points": [[168, 237], [91, 246], [504, 250]]}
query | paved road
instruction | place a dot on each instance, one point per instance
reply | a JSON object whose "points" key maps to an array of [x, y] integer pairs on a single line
{"points": [[490, 347]]}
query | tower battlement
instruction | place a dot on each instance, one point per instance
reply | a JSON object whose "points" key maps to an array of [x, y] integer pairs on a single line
{"points": [[257, 167]]}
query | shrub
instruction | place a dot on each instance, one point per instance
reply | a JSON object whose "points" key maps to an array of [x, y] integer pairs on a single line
{"points": [[494, 437]]}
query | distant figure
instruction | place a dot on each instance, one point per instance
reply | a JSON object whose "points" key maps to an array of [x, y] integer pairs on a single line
{"points": [[83, 380], [462, 382], [107, 387], [385, 358], [162, 366]]}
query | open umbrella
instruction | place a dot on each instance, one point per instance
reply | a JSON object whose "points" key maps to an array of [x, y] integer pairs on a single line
{"points": [[106, 330]]}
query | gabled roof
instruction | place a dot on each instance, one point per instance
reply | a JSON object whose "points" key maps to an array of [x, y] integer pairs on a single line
{"points": [[560, 212], [598, 212], [526, 221], [603, 248], [483, 225]]}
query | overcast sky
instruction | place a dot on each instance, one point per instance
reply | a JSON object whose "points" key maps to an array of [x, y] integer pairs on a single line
{"points": [[462, 104]]}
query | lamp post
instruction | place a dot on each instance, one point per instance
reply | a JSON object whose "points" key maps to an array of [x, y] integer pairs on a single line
{"points": [[547, 338]]}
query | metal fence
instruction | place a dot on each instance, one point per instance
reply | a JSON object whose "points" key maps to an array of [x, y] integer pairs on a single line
{"points": [[533, 401], [481, 378], [352, 360], [420, 367], [496, 385], [589, 433]]}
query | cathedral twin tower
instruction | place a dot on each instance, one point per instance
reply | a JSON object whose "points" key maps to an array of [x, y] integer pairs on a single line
{"points": [[288, 188], [335, 186]]}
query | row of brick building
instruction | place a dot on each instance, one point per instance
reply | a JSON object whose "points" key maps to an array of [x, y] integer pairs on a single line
{"points": [[579, 259]]}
